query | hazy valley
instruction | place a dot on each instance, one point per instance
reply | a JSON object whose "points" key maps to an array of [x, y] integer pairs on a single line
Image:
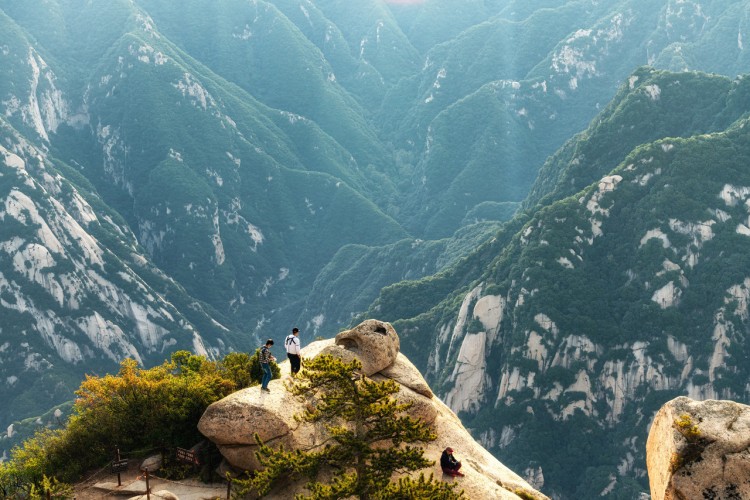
{"points": [[548, 199]]}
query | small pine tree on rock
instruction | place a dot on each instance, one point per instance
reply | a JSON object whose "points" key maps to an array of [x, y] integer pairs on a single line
{"points": [[372, 438]]}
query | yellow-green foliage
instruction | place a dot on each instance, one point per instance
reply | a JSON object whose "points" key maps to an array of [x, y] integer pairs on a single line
{"points": [[133, 410], [687, 428], [421, 488], [694, 447], [521, 493], [10, 486], [675, 462]]}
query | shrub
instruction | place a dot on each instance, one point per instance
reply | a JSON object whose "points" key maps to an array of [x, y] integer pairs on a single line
{"points": [[133, 410]]}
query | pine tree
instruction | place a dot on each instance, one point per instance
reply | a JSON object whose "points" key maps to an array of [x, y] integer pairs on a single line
{"points": [[372, 438]]}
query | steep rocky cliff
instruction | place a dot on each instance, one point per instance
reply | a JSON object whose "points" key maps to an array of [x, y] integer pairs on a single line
{"points": [[76, 292], [583, 316], [232, 422]]}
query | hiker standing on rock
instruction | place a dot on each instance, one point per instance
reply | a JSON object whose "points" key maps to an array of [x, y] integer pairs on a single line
{"points": [[292, 344], [265, 359]]}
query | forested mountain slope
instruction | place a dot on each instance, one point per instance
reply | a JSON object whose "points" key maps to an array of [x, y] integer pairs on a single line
{"points": [[76, 292], [217, 190], [558, 340], [259, 165], [491, 104]]}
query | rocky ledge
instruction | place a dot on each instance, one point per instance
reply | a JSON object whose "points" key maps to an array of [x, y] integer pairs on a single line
{"points": [[699, 449], [232, 422]]}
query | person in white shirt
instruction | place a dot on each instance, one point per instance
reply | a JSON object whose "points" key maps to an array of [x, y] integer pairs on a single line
{"points": [[292, 345]]}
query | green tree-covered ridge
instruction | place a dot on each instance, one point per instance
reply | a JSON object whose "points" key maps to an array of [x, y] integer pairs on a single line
{"points": [[121, 88], [219, 174], [614, 298]]}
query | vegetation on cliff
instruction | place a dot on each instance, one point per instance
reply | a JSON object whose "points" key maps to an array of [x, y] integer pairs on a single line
{"points": [[622, 285], [372, 435], [135, 409]]}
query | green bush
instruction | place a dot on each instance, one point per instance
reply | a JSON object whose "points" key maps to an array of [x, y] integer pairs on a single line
{"points": [[256, 373], [136, 409]]}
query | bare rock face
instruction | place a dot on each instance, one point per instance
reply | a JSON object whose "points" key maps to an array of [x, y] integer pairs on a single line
{"points": [[406, 374], [232, 425], [232, 422], [375, 343], [699, 449]]}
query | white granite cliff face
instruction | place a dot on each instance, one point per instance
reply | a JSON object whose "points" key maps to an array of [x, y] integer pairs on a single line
{"points": [[59, 239], [469, 373], [41, 105], [64, 296], [617, 382], [232, 422], [605, 390]]}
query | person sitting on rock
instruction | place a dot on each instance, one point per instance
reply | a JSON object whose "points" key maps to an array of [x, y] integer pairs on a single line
{"points": [[449, 463]]}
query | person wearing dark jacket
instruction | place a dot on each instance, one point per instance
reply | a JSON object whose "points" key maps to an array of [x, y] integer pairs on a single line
{"points": [[449, 464], [265, 357]]}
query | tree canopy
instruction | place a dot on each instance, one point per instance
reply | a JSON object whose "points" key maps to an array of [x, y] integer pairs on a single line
{"points": [[136, 409]]}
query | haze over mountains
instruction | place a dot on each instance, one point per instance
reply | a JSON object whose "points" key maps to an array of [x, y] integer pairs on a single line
{"points": [[201, 174]]}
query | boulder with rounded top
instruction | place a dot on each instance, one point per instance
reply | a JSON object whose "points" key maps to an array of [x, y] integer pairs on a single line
{"points": [[375, 343], [699, 449]]}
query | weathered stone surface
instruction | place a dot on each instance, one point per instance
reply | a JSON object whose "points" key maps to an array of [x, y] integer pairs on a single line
{"points": [[236, 418], [375, 343], [421, 406], [242, 457], [166, 495], [232, 421], [186, 489], [337, 351], [699, 449], [159, 495], [405, 373], [152, 463], [311, 350], [486, 476]]}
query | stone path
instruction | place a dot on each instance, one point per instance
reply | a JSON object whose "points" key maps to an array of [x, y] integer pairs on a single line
{"points": [[103, 485]]}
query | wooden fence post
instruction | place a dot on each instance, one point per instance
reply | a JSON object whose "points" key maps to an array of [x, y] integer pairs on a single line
{"points": [[119, 465], [148, 488]]}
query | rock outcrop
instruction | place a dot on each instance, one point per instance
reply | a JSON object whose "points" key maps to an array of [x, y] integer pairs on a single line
{"points": [[699, 449], [232, 422]]}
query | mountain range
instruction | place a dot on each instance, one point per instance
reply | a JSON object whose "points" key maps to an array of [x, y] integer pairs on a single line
{"points": [[559, 339], [562, 184]]}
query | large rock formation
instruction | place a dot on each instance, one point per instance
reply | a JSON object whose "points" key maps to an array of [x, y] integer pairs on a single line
{"points": [[699, 449], [232, 422]]}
